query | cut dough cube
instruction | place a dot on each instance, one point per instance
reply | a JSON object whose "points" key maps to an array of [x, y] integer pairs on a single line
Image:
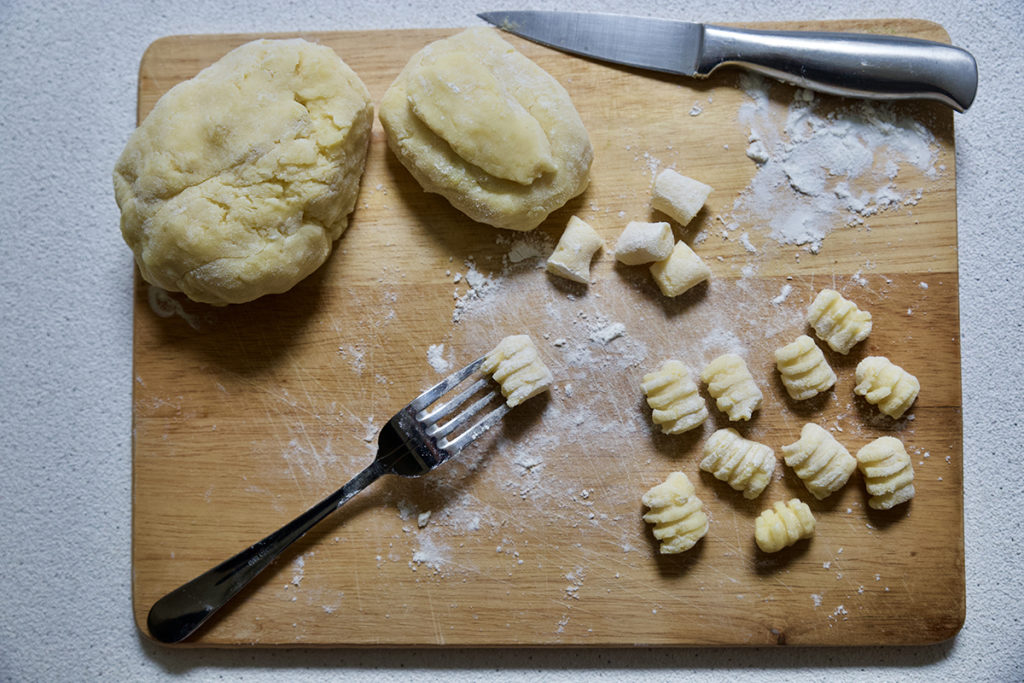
{"points": [[680, 271], [678, 196], [571, 258], [644, 243]]}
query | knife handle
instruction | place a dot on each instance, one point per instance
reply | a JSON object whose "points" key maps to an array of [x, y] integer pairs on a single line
{"points": [[850, 64]]}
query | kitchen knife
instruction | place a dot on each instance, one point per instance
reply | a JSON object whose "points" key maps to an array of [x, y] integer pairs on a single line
{"points": [[850, 64]]}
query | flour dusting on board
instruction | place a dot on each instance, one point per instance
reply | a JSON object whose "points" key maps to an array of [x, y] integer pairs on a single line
{"points": [[819, 170]]}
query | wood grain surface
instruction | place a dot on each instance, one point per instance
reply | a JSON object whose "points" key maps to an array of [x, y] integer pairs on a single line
{"points": [[246, 415]]}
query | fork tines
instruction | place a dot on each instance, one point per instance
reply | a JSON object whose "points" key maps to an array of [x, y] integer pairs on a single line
{"points": [[431, 419]]}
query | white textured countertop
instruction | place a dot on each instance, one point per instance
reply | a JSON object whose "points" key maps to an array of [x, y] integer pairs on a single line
{"points": [[67, 103]]}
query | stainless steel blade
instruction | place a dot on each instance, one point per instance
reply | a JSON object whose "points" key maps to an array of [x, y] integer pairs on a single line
{"points": [[658, 44], [881, 67]]}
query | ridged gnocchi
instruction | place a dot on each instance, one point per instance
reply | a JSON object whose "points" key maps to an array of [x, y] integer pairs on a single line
{"points": [[577, 246], [886, 385], [745, 465], [732, 386], [804, 370], [838, 321], [673, 397], [783, 524], [821, 462], [518, 368], [682, 270], [888, 472], [676, 513]]}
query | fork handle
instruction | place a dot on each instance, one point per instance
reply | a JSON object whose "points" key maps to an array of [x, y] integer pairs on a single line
{"points": [[179, 613]]}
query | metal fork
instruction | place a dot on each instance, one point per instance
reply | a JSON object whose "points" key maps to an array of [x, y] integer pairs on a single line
{"points": [[412, 443]]}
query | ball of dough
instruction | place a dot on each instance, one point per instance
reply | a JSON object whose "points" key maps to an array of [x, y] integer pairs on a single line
{"points": [[475, 121], [238, 182]]}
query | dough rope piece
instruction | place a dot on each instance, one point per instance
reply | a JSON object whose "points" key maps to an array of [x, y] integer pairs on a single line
{"points": [[644, 243], [821, 462], [837, 321], [480, 124], [673, 397], [678, 196], [804, 370], [886, 385], [745, 465], [783, 524], [732, 386], [888, 472], [576, 247], [517, 367], [238, 182], [681, 271], [676, 513]]}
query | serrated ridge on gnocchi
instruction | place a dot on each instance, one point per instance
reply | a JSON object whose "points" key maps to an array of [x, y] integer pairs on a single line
{"points": [[804, 371], [675, 402], [745, 465], [517, 367], [732, 386], [838, 321], [885, 384], [888, 472], [822, 463], [676, 514], [783, 524]]}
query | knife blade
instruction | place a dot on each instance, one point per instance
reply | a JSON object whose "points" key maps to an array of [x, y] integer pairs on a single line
{"points": [[850, 64]]}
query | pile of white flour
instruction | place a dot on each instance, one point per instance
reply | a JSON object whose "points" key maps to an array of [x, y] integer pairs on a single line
{"points": [[819, 170]]}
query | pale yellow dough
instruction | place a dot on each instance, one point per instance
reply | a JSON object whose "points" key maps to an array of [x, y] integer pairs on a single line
{"points": [[887, 385], [475, 121], [745, 465], [783, 524], [238, 182], [837, 321], [676, 513], [577, 246], [804, 371], [888, 472], [672, 394], [732, 386], [518, 368], [681, 271], [822, 463]]}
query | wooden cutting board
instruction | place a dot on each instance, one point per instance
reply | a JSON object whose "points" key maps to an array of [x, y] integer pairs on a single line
{"points": [[246, 415]]}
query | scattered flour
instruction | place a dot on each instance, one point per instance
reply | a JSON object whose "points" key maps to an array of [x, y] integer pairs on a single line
{"points": [[818, 166], [435, 356], [747, 244], [432, 553], [608, 333], [783, 295], [299, 569]]}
